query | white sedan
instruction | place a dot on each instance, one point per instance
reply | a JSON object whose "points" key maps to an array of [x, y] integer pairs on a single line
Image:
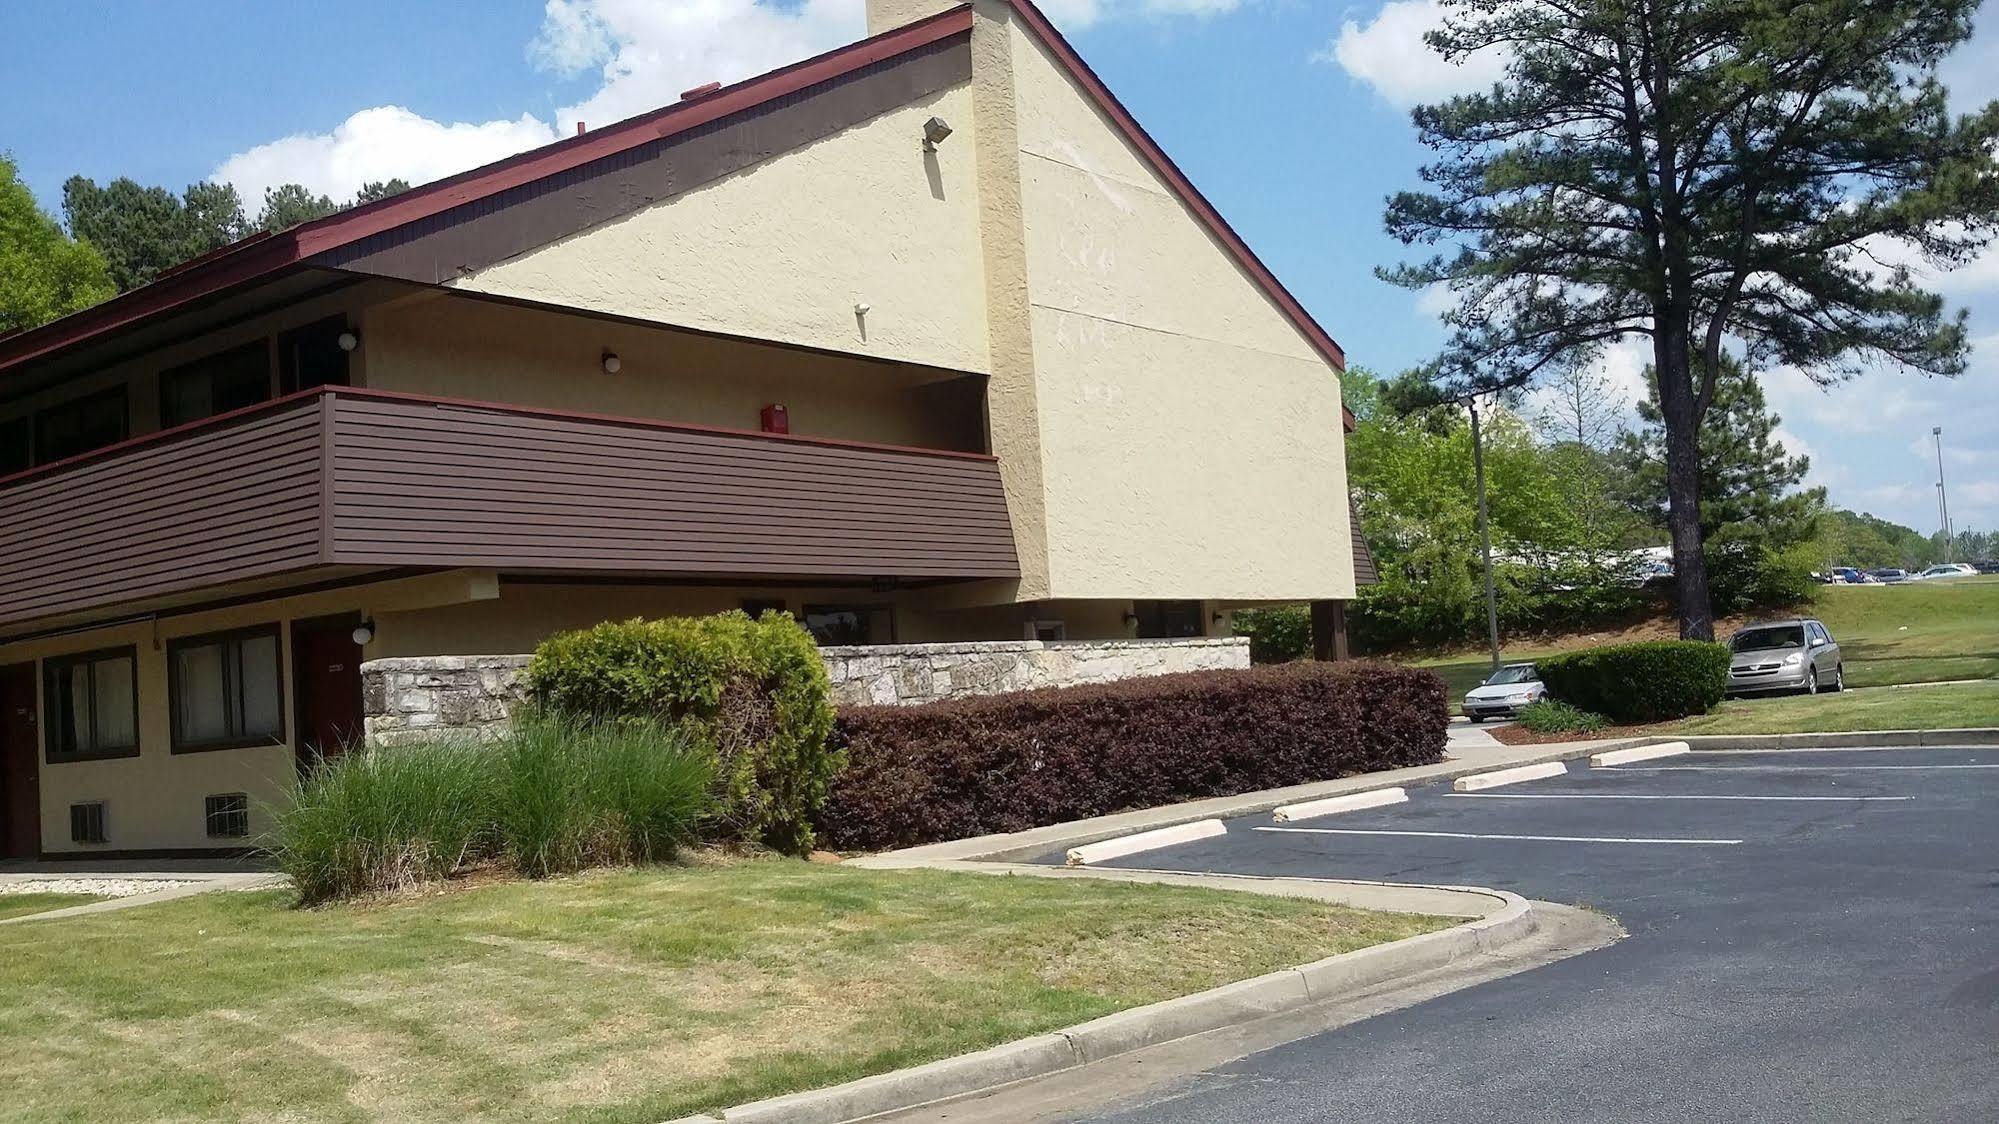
{"points": [[1502, 696]]}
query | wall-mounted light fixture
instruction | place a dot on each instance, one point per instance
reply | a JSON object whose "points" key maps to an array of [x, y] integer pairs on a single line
{"points": [[934, 132], [347, 340], [364, 633], [612, 364]]}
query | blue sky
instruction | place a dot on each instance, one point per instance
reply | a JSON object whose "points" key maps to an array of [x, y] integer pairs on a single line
{"points": [[1290, 114]]}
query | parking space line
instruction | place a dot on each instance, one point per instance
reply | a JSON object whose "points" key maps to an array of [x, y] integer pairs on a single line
{"points": [[1633, 796], [1783, 768], [1519, 838]]}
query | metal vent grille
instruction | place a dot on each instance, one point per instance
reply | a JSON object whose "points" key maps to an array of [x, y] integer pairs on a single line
{"points": [[86, 822], [228, 815]]}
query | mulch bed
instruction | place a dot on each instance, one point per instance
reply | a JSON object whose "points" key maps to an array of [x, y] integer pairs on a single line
{"points": [[1521, 735]]}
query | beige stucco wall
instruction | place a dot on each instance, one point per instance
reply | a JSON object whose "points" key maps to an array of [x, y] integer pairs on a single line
{"points": [[527, 613], [464, 348], [1190, 436], [155, 801], [786, 249]]}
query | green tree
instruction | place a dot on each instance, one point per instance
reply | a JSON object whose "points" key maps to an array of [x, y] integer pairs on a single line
{"points": [[378, 190], [1581, 422], [43, 272], [1693, 172], [143, 230], [1754, 514], [290, 204]]}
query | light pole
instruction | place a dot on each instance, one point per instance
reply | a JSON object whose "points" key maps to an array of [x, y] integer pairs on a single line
{"points": [[1943, 500], [1484, 532]]}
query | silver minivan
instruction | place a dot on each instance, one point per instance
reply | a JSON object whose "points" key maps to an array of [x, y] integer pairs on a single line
{"points": [[1793, 655]]}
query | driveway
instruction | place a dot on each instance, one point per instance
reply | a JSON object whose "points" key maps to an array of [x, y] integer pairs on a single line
{"points": [[1814, 936]]}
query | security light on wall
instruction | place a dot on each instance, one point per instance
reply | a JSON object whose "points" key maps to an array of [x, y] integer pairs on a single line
{"points": [[364, 633], [934, 132], [347, 341], [612, 364]]}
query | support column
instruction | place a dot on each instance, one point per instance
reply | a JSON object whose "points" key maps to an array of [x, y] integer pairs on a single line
{"points": [[1329, 631]]}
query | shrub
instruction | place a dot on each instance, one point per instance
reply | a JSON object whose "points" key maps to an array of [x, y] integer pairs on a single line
{"points": [[996, 763], [1648, 682], [385, 819], [572, 796], [1552, 717], [1276, 635], [755, 691]]}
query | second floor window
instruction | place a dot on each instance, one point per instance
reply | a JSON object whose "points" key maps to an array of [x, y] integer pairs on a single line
{"points": [[16, 455], [75, 427], [215, 384]]}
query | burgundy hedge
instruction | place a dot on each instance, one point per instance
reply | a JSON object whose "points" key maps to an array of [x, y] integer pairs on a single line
{"points": [[974, 766]]}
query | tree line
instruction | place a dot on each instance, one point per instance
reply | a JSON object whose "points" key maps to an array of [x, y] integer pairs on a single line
{"points": [[119, 235]]}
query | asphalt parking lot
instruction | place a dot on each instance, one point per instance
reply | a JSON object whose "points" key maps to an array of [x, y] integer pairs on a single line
{"points": [[1813, 936]]}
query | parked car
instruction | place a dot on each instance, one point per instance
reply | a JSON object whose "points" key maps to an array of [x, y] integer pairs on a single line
{"points": [[1889, 576], [1944, 570], [1502, 696], [1988, 566], [1851, 576], [1788, 655]]}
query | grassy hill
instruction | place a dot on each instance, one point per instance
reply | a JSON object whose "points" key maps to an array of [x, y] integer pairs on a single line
{"points": [[1922, 632]]}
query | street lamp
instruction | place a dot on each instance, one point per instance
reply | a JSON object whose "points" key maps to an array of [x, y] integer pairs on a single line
{"points": [[1943, 500], [1484, 531]]}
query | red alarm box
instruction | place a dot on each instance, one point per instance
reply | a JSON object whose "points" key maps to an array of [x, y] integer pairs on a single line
{"points": [[776, 419]]}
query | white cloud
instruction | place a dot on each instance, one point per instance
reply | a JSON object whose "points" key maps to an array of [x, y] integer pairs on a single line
{"points": [[1390, 55], [376, 144], [646, 52]]}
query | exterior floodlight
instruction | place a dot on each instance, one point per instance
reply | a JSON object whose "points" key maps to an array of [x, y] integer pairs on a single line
{"points": [[934, 132]]}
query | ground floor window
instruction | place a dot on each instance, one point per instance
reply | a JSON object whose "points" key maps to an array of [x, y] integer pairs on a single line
{"points": [[837, 625], [225, 690], [1168, 620], [92, 707]]}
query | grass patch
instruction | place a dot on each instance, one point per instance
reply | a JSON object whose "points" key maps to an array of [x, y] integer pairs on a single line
{"points": [[633, 996], [21, 905], [1955, 706], [1551, 717]]}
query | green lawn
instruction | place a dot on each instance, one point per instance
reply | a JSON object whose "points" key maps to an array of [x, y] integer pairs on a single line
{"points": [[20, 905], [1922, 632], [1949, 707], [629, 996]]}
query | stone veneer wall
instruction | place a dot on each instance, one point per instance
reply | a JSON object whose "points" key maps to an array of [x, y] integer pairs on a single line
{"points": [[474, 694]]}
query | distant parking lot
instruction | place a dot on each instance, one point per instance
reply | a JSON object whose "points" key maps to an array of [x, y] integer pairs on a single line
{"points": [[1813, 936]]}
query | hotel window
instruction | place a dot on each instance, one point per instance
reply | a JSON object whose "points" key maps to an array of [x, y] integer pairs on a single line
{"points": [[840, 625], [225, 690], [92, 705], [16, 455], [215, 384], [75, 427], [1167, 620], [312, 356]]}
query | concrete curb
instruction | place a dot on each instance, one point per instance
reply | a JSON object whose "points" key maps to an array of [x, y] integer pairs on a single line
{"points": [[1144, 841], [1478, 782], [1332, 805], [1638, 753], [1509, 919]]}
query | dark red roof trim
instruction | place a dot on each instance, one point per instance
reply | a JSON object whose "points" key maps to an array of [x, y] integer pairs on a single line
{"points": [[260, 255]]}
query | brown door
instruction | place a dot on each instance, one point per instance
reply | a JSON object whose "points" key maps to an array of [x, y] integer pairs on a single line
{"points": [[20, 756], [326, 673]]}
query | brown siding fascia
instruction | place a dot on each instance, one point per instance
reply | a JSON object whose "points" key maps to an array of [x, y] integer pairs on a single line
{"points": [[423, 482], [443, 247], [326, 477]]}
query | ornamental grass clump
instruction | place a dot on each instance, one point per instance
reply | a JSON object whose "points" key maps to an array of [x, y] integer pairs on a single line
{"points": [[571, 795]]}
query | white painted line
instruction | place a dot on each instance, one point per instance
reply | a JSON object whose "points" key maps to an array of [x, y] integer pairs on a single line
{"points": [[1509, 776], [1800, 767], [1144, 841], [1628, 796], [1334, 804], [1639, 753], [1468, 835]]}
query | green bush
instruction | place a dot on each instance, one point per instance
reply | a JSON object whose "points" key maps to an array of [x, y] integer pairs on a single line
{"points": [[754, 691], [371, 822], [1276, 635], [1647, 682], [1551, 717], [573, 796], [547, 798]]}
